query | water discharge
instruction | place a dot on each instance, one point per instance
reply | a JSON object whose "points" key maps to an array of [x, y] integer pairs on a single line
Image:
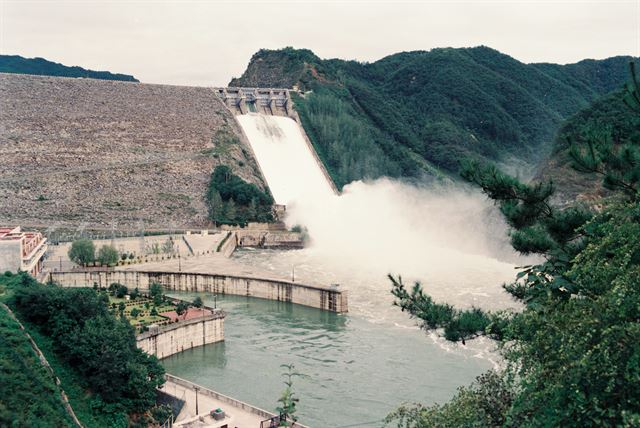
{"points": [[284, 158], [446, 236], [360, 366]]}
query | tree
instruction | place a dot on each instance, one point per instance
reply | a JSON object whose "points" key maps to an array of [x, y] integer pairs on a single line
{"points": [[108, 255], [572, 353], [182, 308], [113, 288], [197, 302], [134, 294], [82, 252], [155, 292], [135, 312], [121, 308], [216, 206], [97, 347], [288, 400], [482, 404], [230, 211], [121, 291]]}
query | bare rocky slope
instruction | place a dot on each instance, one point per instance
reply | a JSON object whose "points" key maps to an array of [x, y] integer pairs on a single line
{"points": [[94, 152]]}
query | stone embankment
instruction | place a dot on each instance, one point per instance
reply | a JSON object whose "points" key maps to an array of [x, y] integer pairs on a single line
{"points": [[94, 152], [168, 340]]}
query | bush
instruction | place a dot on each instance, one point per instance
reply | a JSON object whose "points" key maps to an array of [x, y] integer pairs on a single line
{"points": [[107, 255]]}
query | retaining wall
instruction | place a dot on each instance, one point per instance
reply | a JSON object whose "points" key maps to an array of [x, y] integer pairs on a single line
{"points": [[325, 298], [183, 335]]}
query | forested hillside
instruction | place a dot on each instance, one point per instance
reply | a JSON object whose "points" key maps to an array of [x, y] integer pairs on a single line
{"points": [[425, 111], [40, 66], [607, 120]]}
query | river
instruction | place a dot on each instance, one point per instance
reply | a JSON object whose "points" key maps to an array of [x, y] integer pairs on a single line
{"points": [[356, 368]]}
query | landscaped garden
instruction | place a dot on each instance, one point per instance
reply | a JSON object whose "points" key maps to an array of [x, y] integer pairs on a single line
{"points": [[144, 310]]}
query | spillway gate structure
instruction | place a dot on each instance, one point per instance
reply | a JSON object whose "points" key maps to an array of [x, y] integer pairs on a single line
{"points": [[270, 101]]}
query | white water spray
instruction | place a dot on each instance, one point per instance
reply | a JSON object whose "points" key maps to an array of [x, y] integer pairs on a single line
{"points": [[448, 238]]}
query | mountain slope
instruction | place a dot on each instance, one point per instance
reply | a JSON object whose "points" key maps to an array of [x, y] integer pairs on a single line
{"points": [[608, 117], [40, 66], [416, 112]]}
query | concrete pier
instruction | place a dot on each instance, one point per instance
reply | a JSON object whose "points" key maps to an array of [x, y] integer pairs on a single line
{"points": [[325, 298]]}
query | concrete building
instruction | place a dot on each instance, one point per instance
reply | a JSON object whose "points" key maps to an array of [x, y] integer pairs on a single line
{"points": [[21, 250]]}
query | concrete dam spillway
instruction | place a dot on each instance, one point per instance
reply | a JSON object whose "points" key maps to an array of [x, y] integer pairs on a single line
{"points": [[286, 159]]}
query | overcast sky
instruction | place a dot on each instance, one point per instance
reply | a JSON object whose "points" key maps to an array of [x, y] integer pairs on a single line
{"points": [[205, 43]]}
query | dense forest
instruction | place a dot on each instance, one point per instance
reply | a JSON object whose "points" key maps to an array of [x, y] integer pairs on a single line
{"points": [[417, 112], [109, 381], [40, 66], [232, 200], [573, 353]]}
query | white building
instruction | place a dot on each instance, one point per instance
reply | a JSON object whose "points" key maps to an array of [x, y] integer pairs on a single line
{"points": [[21, 250]]}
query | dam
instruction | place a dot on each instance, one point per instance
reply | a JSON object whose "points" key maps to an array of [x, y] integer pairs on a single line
{"points": [[356, 368], [279, 143]]}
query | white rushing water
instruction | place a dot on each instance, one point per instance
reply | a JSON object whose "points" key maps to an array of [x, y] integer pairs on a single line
{"points": [[284, 157], [449, 238]]}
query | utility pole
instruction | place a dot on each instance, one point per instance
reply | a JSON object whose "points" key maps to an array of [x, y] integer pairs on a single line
{"points": [[196, 389]]}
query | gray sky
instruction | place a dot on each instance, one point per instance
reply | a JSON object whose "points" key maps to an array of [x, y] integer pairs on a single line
{"points": [[208, 42]]}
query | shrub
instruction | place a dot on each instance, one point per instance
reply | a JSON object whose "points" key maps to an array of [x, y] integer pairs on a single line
{"points": [[108, 255]]}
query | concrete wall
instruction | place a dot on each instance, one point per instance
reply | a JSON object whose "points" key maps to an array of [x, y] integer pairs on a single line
{"points": [[229, 245], [325, 298], [183, 335], [10, 259], [225, 399]]}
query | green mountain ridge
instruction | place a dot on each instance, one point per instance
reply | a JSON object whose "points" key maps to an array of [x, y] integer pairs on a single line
{"points": [[606, 119], [42, 67], [422, 112]]}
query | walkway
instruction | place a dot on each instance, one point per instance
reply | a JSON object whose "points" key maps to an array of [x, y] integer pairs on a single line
{"points": [[236, 417]]}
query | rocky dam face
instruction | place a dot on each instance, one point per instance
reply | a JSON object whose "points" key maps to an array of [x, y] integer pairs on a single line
{"points": [[95, 152]]}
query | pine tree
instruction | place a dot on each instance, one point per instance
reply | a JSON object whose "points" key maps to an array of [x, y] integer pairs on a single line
{"points": [[230, 211]]}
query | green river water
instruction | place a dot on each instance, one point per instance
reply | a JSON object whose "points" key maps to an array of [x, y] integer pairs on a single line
{"points": [[353, 371]]}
